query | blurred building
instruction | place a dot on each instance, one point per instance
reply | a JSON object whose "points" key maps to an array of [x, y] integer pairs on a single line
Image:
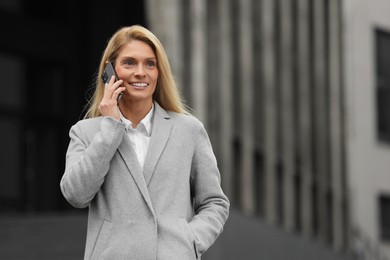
{"points": [[294, 94], [295, 97], [367, 100], [49, 55]]}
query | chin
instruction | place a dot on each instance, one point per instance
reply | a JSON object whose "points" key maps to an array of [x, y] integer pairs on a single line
{"points": [[137, 98]]}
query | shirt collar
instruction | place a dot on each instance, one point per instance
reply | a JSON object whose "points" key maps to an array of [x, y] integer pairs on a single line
{"points": [[146, 121]]}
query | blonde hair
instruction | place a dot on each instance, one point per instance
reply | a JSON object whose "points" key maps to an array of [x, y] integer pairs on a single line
{"points": [[166, 93]]}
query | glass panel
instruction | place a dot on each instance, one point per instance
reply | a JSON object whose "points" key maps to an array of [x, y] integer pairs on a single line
{"points": [[10, 160], [48, 167], [12, 75], [383, 84], [384, 208], [47, 83], [42, 169]]}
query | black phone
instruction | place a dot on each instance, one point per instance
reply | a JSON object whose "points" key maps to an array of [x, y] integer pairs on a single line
{"points": [[108, 72]]}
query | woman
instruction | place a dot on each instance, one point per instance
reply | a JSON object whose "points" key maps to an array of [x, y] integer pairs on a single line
{"points": [[143, 165]]}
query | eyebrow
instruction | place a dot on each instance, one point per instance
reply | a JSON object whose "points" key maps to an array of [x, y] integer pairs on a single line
{"points": [[130, 57]]}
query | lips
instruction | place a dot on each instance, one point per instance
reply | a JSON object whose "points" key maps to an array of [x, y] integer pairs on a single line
{"points": [[139, 85]]}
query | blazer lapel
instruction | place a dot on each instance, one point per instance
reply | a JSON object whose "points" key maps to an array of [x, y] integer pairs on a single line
{"points": [[160, 134], [128, 155]]}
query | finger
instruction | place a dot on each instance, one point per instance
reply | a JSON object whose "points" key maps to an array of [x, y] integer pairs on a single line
{"points": [[110, 82], [112, 79], [111, 87], [107, 93], [120, 89], [117, 83], [117, 92]]}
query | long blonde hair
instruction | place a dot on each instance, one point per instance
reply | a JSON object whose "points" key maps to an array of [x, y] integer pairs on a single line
{"points": [[166, 93]]}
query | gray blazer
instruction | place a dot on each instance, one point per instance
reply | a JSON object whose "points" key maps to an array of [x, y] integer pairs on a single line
{"points": [[172, 209]]}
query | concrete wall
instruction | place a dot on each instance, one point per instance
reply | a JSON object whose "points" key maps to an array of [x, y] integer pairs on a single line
{"points": [[368, 158]]}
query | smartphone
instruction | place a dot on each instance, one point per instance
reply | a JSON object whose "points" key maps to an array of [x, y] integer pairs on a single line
{"points": [[108, 72]]}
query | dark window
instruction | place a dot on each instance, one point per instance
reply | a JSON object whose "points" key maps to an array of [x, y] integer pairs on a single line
{"points": [[280, 191], [298, 199], [259, 185], [383, 84], [384, 214], [12, 69], [237, 164]]}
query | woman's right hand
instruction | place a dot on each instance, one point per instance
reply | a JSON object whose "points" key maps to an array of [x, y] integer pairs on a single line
{"points": [[109, 104]]}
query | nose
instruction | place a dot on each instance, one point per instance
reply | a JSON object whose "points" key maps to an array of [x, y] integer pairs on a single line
{"points": [[140, 72]]}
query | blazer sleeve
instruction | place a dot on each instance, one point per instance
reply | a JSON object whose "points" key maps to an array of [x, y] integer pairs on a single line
{"points": [[210, 203], [87, 161]]}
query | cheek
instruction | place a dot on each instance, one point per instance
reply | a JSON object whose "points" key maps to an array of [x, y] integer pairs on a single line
{"points": [[156, 77], [121, 73]]}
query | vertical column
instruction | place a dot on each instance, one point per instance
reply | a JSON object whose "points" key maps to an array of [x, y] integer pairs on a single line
{"points": [[225, 81], [246, 86], [304, 123], [336, 121], [164, 19], [198, 58], [287, 113], [214, 88], [320, 119], [268, 54], [258, 110]]}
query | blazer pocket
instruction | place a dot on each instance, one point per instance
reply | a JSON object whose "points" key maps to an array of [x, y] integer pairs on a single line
{"points": [[101, 239], [190, 235]]}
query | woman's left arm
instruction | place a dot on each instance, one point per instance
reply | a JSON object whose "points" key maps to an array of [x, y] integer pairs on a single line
{"points": [[210, 203]]}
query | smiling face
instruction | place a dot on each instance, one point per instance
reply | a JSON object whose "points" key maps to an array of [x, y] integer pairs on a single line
{"points": [[136, 65]]}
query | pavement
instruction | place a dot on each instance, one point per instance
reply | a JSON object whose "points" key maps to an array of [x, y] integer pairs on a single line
{"points": [[46, 236], [61, 236]]}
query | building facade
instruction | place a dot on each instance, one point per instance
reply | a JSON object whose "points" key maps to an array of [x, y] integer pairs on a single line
{"points": [[367, 84], [287, 92], [48, 63]]}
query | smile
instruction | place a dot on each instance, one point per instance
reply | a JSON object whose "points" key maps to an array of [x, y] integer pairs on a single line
{"points": [[139, 84]]}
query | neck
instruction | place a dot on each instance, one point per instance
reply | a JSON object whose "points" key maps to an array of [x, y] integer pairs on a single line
{"points": [[135, 111]]}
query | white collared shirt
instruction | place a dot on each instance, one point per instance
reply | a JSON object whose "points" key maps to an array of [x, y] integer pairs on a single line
{"points": [[140, 136]]}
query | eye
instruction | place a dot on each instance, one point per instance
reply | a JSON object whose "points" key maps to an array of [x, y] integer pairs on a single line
{"points": [[129, 63], [150, 64]]}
